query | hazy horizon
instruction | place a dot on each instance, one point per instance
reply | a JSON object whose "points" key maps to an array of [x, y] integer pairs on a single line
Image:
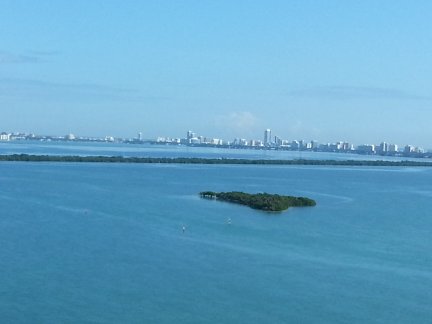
{"points": [[326, 71]]}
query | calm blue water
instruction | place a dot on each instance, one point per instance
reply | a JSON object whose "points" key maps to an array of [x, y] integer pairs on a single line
{"points": [[102, 243]]}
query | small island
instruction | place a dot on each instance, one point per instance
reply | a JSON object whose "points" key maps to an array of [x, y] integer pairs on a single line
{"points": [[261, 201]]}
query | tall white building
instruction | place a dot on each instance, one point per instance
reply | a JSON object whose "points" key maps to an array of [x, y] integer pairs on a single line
{"points": [[267, 137], [384, 147], [4, 136], [393, 148], [190, 135]]}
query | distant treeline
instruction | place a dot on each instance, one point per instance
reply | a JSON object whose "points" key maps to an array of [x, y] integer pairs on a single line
{"points": [[186, 160]]}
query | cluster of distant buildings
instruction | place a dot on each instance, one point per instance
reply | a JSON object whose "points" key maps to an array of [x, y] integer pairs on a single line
{"points": [[276, 143], [268, 142], [4, 137], [192, 139]]}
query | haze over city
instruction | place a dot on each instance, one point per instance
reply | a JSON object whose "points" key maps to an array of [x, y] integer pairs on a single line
{"points": [[325, 70]]}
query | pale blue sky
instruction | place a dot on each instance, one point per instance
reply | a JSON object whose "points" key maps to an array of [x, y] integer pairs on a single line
{"points": [[325, 70]]}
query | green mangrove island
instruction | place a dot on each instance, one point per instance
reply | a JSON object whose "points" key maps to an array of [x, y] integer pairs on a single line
{"points": [[188, 160], [262, 201]]}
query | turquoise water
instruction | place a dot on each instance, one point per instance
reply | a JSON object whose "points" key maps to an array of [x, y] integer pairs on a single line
{"points": [[103, 243]]}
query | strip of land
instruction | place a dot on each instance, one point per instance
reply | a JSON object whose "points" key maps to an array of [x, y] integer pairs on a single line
{"points": [[187, 160]]}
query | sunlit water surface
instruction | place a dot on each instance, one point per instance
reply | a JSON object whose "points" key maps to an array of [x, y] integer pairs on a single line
{"points": [[103, 243]]}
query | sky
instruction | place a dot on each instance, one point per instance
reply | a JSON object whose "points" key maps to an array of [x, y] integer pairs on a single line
{"points": [[357, 71]]}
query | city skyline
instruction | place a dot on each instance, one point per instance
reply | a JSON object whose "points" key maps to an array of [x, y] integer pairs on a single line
{"points": [[268, 141], [318, 70]]}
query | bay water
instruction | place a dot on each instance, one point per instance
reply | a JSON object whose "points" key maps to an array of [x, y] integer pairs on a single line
{"points": [[103, 243]]}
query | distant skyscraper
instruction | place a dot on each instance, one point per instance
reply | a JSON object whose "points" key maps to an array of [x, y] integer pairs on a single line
{"points": [[393, 148], [267, 137], [384, 147], [277, 140]]}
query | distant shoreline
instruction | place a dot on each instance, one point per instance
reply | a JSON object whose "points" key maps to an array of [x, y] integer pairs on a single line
{"points": [[189, 160]]}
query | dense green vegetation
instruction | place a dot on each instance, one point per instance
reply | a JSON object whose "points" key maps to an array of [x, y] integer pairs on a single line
{"points": [[182, 160], [262, 201]]}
